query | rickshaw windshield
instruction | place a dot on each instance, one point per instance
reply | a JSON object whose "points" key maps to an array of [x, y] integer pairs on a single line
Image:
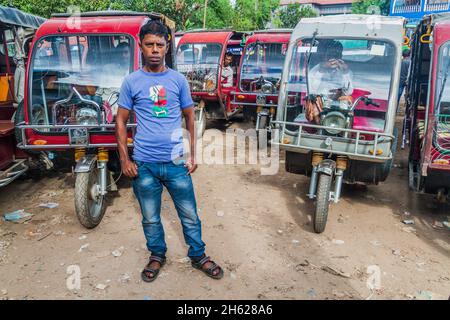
{"points": [[343, 68], [443, 84], [95, 65], [342, 64], [199, 63], [262, 60], [442, 109]]}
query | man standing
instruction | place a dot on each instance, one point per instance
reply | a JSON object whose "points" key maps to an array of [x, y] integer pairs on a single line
{"points": [[227, 71], [404, 72], [159, 96]]}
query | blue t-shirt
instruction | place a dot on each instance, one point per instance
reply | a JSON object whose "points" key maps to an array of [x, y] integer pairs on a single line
{"points": [[157, 100]]}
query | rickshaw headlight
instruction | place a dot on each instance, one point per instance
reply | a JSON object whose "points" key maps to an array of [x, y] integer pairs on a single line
{"points": [[266, 88], [87, 116], [334, 120]]}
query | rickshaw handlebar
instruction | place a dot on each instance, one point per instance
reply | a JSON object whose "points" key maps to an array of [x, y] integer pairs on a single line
{"points": [[366, 100]]}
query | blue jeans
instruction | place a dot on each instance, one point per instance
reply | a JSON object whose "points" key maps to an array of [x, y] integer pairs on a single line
{"points": [[148, 186]]}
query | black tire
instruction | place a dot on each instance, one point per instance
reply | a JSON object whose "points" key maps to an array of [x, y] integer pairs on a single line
{"points": [[200, 123], [249, 113], [298, 163], [263, 122], [262, 127], [322, 202], [89, 211], [413, 176], [19, 117]]}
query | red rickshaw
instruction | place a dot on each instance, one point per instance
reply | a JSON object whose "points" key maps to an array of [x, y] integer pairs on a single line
{"points": [[16, 31], [74, 74], [428, 108], [259, 75], [199, 57]]}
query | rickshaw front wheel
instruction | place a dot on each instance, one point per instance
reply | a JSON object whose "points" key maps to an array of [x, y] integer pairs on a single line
{"points": [[322, 202], [200, 118], [90, 204]]}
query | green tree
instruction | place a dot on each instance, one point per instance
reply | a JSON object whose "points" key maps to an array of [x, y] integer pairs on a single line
{"points": [[253, 14], [45, 8], [367, 6], [289, 16]]}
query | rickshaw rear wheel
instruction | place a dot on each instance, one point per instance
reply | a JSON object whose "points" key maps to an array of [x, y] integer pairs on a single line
{"points": [[413, 176], [19, 116], [90, 205], [322, 202], [200, 118], [262, 133]]}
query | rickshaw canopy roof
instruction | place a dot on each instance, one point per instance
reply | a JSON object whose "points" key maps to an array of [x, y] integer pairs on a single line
{"points": [[437, 18], [441, 26], [99, 22], [201, 36], [352, 26], [12, 16], [272, 35]]}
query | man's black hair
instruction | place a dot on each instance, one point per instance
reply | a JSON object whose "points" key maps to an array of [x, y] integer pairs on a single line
{"points": [[154, 27]]}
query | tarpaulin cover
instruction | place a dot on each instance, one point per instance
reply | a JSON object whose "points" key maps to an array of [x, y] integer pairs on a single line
{"points": [[19, 18]]}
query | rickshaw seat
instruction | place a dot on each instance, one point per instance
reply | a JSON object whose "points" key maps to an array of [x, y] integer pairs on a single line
{"points": [[368, 124], [6, 127]]}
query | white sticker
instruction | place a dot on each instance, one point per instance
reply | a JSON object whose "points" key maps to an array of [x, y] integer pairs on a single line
{"points": [[306, 49], [377, 50]]}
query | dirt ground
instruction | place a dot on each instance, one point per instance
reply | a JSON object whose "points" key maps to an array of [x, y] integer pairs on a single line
{"points": [[257, 227]]}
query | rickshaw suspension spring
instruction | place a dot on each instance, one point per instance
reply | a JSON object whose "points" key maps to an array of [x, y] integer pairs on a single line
{"points": [[259, 109], [317, 158], [80, 153], [102, 155], [341, 166], [102, 158], [341, 162]]}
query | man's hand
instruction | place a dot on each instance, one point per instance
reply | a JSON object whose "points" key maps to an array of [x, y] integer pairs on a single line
{"points": [[189, 115], [129, 168], [191, 165], [338, 64]]}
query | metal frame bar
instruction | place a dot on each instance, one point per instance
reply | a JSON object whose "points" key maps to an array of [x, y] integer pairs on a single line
{"points": [[357, 142], [11, 176], [234, 94], [24, 145]]}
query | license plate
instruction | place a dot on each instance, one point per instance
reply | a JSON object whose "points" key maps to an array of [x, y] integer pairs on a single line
{"points": [[78, 136], [260, 100]]}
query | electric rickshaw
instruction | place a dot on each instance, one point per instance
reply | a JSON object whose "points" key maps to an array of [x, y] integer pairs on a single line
{"points": [[259, 75], [337, 103], [74, 74], [17, 29], [427, 125], [200, 56]]}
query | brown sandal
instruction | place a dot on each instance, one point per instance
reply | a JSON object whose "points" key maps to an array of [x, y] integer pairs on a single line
{"points": [[209, 271], [155, 272]]}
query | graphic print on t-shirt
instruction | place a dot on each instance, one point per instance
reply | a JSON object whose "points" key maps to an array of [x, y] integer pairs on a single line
{"points": [[158, 96]]}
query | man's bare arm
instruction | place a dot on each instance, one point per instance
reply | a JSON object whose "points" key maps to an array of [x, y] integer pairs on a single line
{"points": [[129, 168], [189, 115]]}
